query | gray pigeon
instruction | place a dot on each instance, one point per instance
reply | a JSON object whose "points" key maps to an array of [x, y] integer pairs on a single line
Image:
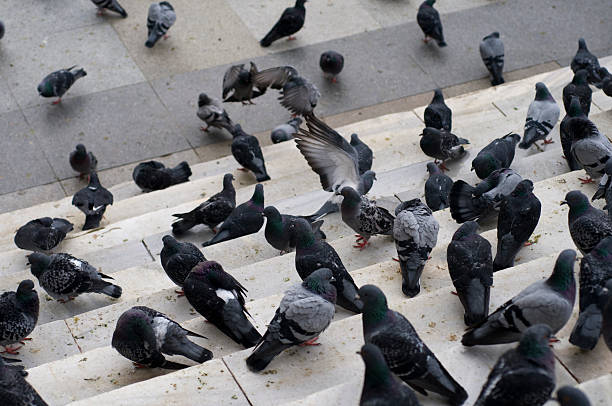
{"points": [[415, 231], [15, 390], [112, 5], [442, 145], [332, 63], [437, 188], [437, 114], [470, 265], [57, 83], [364, 154], [522, 376], [18, 315], [542, 115], [64, 277], [606, 326], [285, 132], [212, 113], [519, 214], [179, 258], [586, 60], [380, 386], [153, 175], [570, 396], [247, 152], [492, 54], [498, 154], [238, 84], [549, 301], [245, 219], [42, 234], [590, 147], [143, 335], [305, 311], [290, 22], [587, 224], [605, 187], [92, 200], [566, 138], [428, 19], [406, 355], [160, 18], [278, 231], [82, 161], [578, 87]]}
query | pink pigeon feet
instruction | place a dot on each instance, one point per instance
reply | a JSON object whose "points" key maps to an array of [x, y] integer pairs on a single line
{"points": [[11, 351], [291, 38], [550, 141], [166, 36], [205, 129], [310, 342], [179, 292], [441, 165], [139, 366], [361, 242], [395, 259], [243, 169], [585, 181], [58, 101], [334, 80], [100, 12]]}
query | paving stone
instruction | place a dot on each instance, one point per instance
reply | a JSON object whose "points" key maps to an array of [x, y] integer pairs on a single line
{"points": [[7, 103], [30, 197]]}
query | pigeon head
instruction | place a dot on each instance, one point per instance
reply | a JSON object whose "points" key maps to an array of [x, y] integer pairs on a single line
{"points": [[433, 169], [523, 189], [582, 44], [45, 89], [368, 178], [355, 139], [38, 263], [131, 326], [203, 100], [80, 149], [26, 296], [351, 197], [410, 205], [534, 343], [467, 229], [580, 77], [562, 278], [575, 109], [227, 181], [273, 216], [170, 243], [320, 282], [206, 269], [237, 131], [429, 132], [430, 2], [512, 136], [300, 3], [581, 127], [570, 396], [377, 373], [258, 196], [94, 180], [542, 92], [494, 34], [302, 233], [373, 302], [577, 201], [438, 96]]}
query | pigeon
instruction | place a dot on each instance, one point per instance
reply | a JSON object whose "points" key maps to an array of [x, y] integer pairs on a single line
{"points": [[604, 189], [428, 19], [492, 54], [548, 301], [220, 298], [210, 213], [364, 216], [212, 113], [42, 234], [64, 277], [179, 258], [519, 214], [406, 355], [437, 188], [82, 161], [498, 154], [238, 84], [606, 82], [473, 203], [587, 224], [442, 145], [1, 29], [522, 376], [305, 311], [586, 60], [153, 175], [312, 254], [470, 265], [590, 147], [570, 396], [290, 22], [92, 200], [542, 115], [112, 5], [18, 315], [606, 326], [566, 138], [285, 132], [247, 152], [415, 231], [245, 219], [437, 114], [143, 335], [364, 154], [15, 390], [159, 20], [380, 386], [57, 83], [595, 271], [331, 62], [578, 87], [278, 229]]}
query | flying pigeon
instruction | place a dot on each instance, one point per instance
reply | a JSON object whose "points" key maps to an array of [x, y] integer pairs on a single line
{"points": [[82, 161], [153, 175], [305, 311], [566, 138], [92, 200], [578, 87], [498, 154], [18, 315], [406, 355], [238, 84], [542, 115], [210, 213], [278, 229], [437, 188], [220, 298], [587, 224], [472, 203], [42, 234], [290, 22], [590, 147], [364, 154], [519, 214], [112, 5], [64, 277], [415, 231], [179, 258], [437, 114], [428, 19], [285, 132], [570, 396], [143, 335], [606, 327], [15, 390], [57, 83], [245, 219], [470, 265], [331, 62], [212, 113], [442, 145], [605, 187], [492, 54], [586, 60], [159, 20], [246, 150], [549, 301], [522, 376], [297, 94], [312, 254]]}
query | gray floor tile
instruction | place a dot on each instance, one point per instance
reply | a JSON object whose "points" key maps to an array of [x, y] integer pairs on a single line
{"points": [[30, 197], [7, 101]]}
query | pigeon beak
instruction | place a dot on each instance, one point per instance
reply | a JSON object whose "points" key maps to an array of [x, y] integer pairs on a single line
{"points": [[332, 279], [358, 352], [357, 296], [563, 203], [472, 168]]}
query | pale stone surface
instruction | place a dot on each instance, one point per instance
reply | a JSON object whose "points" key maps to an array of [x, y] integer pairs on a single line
{"points": [[50, 342]]}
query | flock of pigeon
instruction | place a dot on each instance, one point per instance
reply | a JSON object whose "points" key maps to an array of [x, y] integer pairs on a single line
{"points": [[397, 361]]}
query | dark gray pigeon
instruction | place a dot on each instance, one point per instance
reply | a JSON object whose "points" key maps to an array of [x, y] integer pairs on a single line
{"points": [[428, 19], [212, 113], [492, 54], [82, 161], [584, 59], [278, 229], [220, 298], [305, 311], [605, 187], [364, 154], [153, 175], [606, 327], [542, 115], [380, 386], [285, 132], [578, 87], [179, 258], [437, 114], [92, 200], [570, 396], [159, 20], [437, 188], [549, 302], [143, 335], [210, 213], [57, 83], [590, 147], [406, 355], [566, 138], [245, 219], [42, 234], [290, 22], [112, 5], [65, 277], [238, 84], [470, 265], [15, 390], [522, 376], [18, 315], [415, 231], [1, 29], [519, 214], [247, 152], [496, 155], [332, 63], [587, 224], [606, 81], [442, 145]]}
